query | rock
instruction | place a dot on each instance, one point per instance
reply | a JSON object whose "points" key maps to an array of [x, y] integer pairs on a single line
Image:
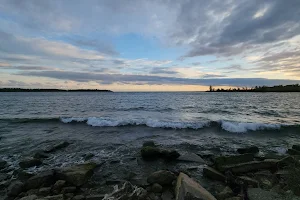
{"points": [[167, 195], [3, 177], [30, 162], [55, 197], [127, 192], [113, 182], [150, 153], [76, 175], [161, 177], [234, 198], [40, 155], [15, 188], [191, 157], [231, 160], [259, 194], [169, 154], [149, 144], [88, 156], [32, 191], [30, 197], [66, 190], [57, 147], [244, 180], [213, 174], [58, 186], [289, 160], [69, 195], [226, 193], [293, 152], [252, 150], [4, 184], [296, 147], [156, 188], [23, 176], [45, 178], [251, 166], [186, 188], [45, 191], [95, 197], [3, 164], [78, 197]]}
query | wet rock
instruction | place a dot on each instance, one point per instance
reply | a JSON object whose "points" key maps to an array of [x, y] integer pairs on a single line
{"points": [[169, 154], [70, 189], [156, 188], [186, 188], [259, 194], [45, 178], [251, 166], [95, 197], [191, 157], [55, 197], [167, 195], [30, 197], [247, 181], [231, 160], [3, 164], [58, 186], [78, 197], [76, 175], [162, 177], [88, 156], [293, 152], [213, 174], [15, 188], [45, 191], [57, 147], [30, 162], [23, 175], [226, 193], [252, 150], [40, 155], [149, 144], [150, 153]]}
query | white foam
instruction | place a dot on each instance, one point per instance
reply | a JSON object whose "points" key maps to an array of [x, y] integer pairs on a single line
{"points": [[72, 119], [242, 127]]}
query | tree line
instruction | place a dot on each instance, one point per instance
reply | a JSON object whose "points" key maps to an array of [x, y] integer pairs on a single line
{"points": [[277, 88]]}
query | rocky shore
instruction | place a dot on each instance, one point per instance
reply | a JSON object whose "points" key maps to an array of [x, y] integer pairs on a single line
{"points": [[244, 176]]}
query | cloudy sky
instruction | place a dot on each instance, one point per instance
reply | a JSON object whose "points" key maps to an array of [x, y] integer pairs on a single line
{"points": [[142, 45]]}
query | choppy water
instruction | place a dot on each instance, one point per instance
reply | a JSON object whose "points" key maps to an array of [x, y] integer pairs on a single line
{"points": [[114, 125]]}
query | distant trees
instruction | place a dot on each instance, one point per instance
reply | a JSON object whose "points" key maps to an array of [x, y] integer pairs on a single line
{"points": [[277, 88]]}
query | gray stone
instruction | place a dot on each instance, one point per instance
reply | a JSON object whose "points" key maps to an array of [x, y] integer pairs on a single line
{"points": [[45, 191], [226, 193], [213, 174], [45, 178], [252, 150], [15, 188], [58, 186], [251, 166], [156, 188], [150, 153], [30, 197], [231, 160], [78, 197], [161, 177], [95, 197], [186, 189], [30, 162], [57, 147], [191, 157], [3, 164], [76, 175]]}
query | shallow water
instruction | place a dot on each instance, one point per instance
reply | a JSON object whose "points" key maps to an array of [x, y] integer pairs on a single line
{"points": [[113, 126]]}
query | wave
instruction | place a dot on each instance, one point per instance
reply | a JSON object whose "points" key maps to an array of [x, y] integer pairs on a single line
{"points": [[234, 127]]}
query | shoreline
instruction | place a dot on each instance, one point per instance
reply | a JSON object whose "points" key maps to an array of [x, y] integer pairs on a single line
{"points": [[232, 177]]}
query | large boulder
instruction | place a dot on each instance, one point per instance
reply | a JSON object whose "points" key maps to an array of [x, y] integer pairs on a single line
{"points": [[213, 174], [162, 177], [30, 162], [231, 160], [15, 188], [252, 150], [251, 166], [45, 178], [56, 147], [76, 175], [188, 189], [191, 157]]}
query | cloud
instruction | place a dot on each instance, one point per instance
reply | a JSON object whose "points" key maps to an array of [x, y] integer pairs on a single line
{"points": [[163, 71], [32, 68], [146, 79]]}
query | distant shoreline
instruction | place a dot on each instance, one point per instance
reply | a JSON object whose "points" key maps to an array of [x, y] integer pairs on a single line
{"points": [[50, 90]]}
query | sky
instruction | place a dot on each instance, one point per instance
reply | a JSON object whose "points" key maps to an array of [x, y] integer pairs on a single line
{"points": [[149, 45]]}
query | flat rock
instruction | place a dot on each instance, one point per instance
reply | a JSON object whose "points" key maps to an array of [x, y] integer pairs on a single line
{"points": [[45, 178], [76, 175], [191, 157], [162, 177], [30, 162], [231, 160], [213, 174], [187, 188]]}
